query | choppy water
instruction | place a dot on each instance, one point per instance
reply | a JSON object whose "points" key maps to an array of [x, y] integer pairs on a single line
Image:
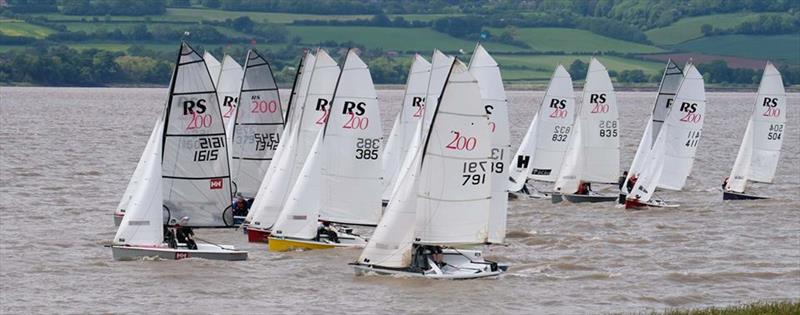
{"points": [[66, 156]]}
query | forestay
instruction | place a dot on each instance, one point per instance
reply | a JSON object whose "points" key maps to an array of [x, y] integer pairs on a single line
{"points": [[593, 151], [405, 123], [257, 128], [670, 161], [495, 104], [758, 155], [298, 95], [309, 118], [454, 194], [143, 221], [194, 154], [670, 81], [542, 149]]}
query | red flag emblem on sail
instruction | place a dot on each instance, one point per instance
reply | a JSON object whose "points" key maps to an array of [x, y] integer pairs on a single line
{"points": [[216, 183]]}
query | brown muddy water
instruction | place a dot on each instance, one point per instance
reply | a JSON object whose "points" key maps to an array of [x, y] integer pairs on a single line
{"points": [[66, 155]]}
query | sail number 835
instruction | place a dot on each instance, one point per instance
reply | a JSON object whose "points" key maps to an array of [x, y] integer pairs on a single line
{"points": [[608, 128]]}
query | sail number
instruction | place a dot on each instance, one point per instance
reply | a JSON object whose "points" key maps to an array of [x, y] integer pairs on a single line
{"points": [[474, 173], [266, 141], [693, 138], [461, 142], [560, 133], [775, 132], [209, 148], [367, 148], [497, 155], [608, 128]]}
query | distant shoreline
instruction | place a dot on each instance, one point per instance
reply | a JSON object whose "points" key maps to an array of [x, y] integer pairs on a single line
{"points": [[509, 87]]}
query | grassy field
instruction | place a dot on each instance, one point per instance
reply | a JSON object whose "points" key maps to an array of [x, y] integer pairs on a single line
{"points": [[422, 40], [689, 28], [574, 40], [124, 26], [760, 308], [774, 47], [542, 66], [10, 27]]}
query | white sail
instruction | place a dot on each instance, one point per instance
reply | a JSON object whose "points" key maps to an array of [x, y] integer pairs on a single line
{"points": [[214, 67], [670, 161], [300, 215], [257, 128], [486, 71], [455, 173], [760, 151], [351, 169], [542, 150], [230, 81], [299, 90], [440, 68], [143, 221], [136, 178], [593, 154], [670, 81], [405, 123], [309, 118], [195, 156]]}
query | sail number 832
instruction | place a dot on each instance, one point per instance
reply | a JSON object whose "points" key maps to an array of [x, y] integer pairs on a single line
{"points": [[367, 148]]}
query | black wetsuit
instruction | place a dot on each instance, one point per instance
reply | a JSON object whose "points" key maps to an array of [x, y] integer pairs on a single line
{"points": [[184, 235], [621, 183]]}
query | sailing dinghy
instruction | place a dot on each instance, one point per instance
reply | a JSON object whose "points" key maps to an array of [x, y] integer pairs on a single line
{"points": [[445, 197], [761, 146], [543, 148], [669, 162], [340, 181], [405, 123], [184, 172], [593, 152], [256, 130], [670, 82], [306, 123]]}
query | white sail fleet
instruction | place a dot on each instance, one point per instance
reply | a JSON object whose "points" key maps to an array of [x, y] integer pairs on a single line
{"points": [[313, 171]]}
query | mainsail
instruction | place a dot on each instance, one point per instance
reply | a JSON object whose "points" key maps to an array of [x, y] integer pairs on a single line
{"points": [[542, 149], [593, 151], [307, 121], [761, 146], [195, 171], [486, 71], [405, 123], [214, 67], [670, 161], [257, 128]]}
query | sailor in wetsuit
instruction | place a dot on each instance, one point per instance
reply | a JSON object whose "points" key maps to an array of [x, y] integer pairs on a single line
{"points": [[185, 234], [325, 227], [621, 182]]}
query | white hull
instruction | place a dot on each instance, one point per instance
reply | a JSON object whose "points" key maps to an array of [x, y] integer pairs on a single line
{"points": [[459, 265], [205, 251]]}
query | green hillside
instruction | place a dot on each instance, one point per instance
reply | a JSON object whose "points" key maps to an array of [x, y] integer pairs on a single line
{"points": [[689, 28], [775, 47], [10, 27], [547, 39]]}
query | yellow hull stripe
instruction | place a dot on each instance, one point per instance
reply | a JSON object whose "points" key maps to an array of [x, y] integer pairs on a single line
{"points": [[284, 245]]}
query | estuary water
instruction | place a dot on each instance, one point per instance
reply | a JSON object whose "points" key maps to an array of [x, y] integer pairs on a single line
{"points": [[66, 155]]}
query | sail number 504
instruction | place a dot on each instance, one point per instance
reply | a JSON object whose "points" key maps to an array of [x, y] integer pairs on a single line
{"points": [[775, 131]]}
